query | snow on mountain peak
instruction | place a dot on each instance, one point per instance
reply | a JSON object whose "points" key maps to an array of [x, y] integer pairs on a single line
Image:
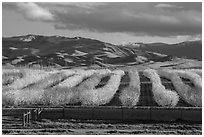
{"points": [[131, 44], [28, 38]]}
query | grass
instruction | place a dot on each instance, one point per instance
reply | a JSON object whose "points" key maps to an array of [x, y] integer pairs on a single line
{"points": [[162, 96]]}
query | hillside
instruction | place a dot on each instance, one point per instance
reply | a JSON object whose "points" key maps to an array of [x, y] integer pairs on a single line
{"points": [[187, 49], [77, 51]]}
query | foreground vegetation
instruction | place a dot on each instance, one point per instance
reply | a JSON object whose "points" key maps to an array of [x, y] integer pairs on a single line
{"points": [[26, 86], [162, 96]]}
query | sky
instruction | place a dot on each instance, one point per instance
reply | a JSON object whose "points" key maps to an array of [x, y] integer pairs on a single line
{"points": [[116, 23]]}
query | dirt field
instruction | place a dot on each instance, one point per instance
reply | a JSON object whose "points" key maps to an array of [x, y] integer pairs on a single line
{"points": [[72, 127]]}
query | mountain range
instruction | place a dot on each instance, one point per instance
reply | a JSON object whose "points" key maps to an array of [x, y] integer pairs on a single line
{"points": [[187, 49], [77, 51]]}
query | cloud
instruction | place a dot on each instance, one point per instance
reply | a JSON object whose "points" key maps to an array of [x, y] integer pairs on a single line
{"points": [[194, 37], [167, 6], [88, 5], [34, 12], [169, 19], [131, 18]]}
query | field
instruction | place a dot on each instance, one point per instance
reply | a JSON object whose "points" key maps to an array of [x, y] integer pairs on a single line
{"points": [[93, 127], [155, 90], [95, 87]]}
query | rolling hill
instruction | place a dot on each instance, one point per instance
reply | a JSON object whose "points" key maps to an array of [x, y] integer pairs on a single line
{"points": [[78, 51], [187, 49]]}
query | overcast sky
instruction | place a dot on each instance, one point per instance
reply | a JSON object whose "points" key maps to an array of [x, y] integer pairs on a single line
{"points": [[110, 22]]}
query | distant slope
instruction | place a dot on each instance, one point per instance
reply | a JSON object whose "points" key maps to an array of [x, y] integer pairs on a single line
{"points": [[188, 49], [77, 51]]}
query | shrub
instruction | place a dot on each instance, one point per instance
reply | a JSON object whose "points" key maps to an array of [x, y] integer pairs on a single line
{"points": [[87, 85], [57, 96], [29, 76], [22, 97], [198, 71], [188, 94], [130, 95], [49, 81], [193, 77], [67, 72], [66, 95], [94, 80], [71, 81], [102, 95], [42, 93], [162, 96], [7, 99], [9, 77], [103, 71], [76, 79], [38, 94], [65, 92], [4, 71]]}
